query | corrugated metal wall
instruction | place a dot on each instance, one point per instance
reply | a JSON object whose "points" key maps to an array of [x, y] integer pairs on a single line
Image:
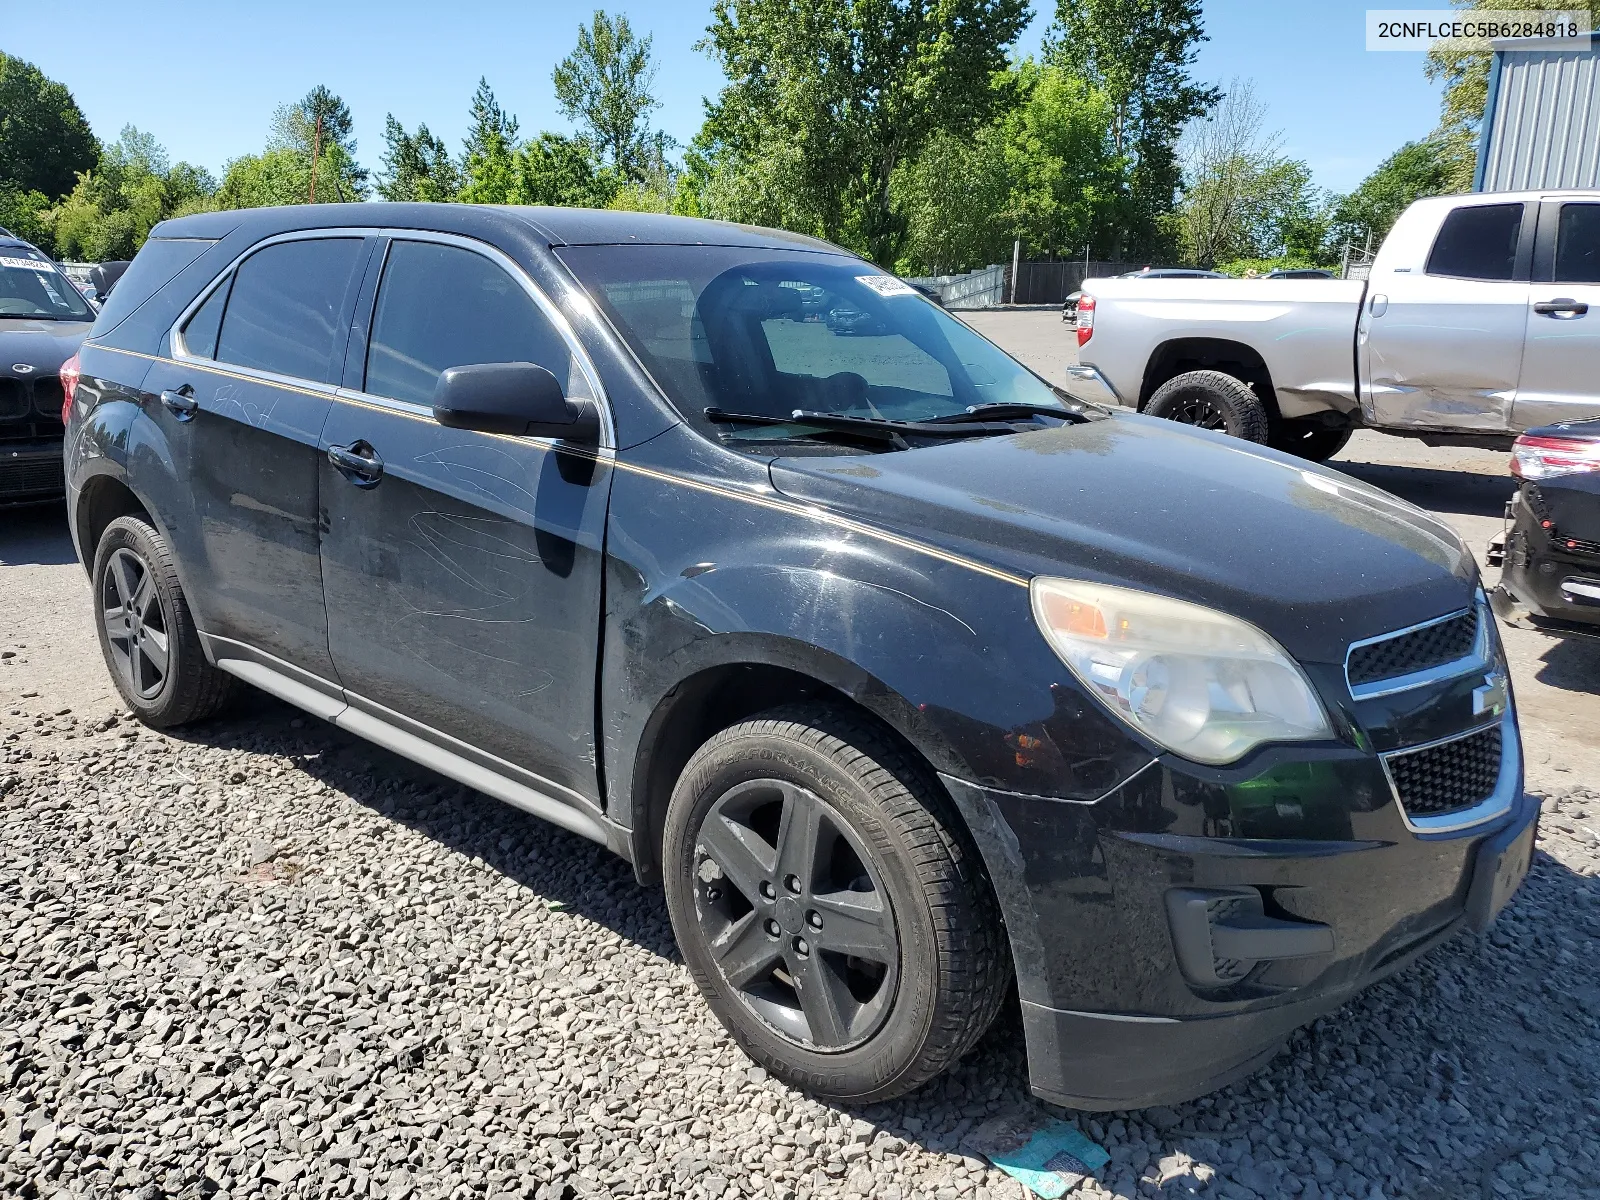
{"points": [[1544, 124]]}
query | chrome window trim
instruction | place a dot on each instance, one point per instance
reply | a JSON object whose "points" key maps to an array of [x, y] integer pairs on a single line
{"points": [[558, 319], [1479, 659], [1498, 802]]}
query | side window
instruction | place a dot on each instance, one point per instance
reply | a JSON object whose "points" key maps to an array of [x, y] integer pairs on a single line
{"points": [[1478, 241], [1578, 244], [200, 334], [287, 311], [444, 306]]}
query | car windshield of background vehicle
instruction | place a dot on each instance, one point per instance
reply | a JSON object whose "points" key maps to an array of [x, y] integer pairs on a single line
{"points": [[770, 332], [1478, 241], [30, 286], [1578, 244]]}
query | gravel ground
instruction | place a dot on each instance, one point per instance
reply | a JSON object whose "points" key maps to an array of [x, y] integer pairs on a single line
{"points": [[263, 958]]}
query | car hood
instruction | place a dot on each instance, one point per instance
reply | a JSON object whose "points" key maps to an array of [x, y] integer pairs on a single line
{"points": [[41, 345], [1312, 557]]}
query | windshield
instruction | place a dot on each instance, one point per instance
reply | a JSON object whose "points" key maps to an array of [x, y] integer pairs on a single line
{"points": [[30, 286], [769, 332]]}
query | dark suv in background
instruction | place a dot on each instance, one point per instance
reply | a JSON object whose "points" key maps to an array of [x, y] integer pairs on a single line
{"points": [[902, 672], [43, 317]]}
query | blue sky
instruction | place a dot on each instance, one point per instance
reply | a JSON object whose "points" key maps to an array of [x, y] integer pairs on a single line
{"points": [[205, 77]]}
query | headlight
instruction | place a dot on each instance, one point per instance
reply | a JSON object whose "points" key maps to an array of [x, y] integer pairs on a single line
{"points": [[1199, 682]]}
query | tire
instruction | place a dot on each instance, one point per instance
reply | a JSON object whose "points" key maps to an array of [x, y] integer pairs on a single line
{"points": [[1317, 443], [890, 875], [1212, 400], [146, 631]]}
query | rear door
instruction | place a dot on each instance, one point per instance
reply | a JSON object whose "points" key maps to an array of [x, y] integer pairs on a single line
{"points": [[242, 401], [1561, 359], [1442, 346], [463, 570]]}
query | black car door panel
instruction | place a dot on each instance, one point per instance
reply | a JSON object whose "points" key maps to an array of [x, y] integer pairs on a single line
{"points": [[461, 569], [244, 412]]}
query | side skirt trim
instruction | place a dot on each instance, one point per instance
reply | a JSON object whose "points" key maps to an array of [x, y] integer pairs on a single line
{"points": [[323, 699]]}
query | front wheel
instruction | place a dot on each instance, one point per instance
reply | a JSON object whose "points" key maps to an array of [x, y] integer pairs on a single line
{"points": [[828, 907], [1212, 400]]}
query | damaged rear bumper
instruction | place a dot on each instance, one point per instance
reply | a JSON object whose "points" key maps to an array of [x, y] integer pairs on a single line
{"points": [[1116, 1011]]}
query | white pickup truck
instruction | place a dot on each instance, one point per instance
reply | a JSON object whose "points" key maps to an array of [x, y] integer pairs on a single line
{"points": [[1481, 318]]}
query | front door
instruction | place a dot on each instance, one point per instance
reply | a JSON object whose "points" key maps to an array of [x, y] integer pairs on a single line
{"points": [[1441, 344], [1561, 361], [462, 570], [243, 399]]}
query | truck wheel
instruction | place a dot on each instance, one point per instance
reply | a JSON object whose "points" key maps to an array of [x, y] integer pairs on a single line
{"points": [[828, 906], [1212, 400], [146, 633], [1314, 442]]}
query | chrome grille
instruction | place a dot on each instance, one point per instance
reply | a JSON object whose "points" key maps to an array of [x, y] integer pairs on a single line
{"points": [[1447, 777], [1432, 645]]}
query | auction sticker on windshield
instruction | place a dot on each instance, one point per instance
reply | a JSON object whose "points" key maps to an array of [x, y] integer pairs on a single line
{"points": [[887, 285], [32, 264]]}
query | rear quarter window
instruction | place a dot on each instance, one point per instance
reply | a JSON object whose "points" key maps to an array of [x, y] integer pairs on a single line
{"points": [[153, 268]]}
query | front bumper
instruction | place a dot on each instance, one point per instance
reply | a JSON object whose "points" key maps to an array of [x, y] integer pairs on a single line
{"points": [[1112, 1012], [31, 472], [1084, 382], [1547, 581]]}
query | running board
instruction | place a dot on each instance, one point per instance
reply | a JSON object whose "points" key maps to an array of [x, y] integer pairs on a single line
{"points": [[419, 750]]}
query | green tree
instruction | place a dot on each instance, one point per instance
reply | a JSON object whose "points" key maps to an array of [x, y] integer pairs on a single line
{"points": [[416, 166], [112, 209], [27, 214], [603, 87], [278, 175], [558, 170], [317, 129], [1415, 170], [45, 142], [1242, 198], [826, 99], [1042, 171], [1465, 75], [489, 160], [1138, 52]]}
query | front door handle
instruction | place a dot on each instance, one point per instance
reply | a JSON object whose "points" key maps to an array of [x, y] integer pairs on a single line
{"points": [[1560, 305], [181, 403], [359, 462]]}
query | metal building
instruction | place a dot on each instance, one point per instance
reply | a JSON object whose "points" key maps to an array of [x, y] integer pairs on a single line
{"points": [[1541, 127]]}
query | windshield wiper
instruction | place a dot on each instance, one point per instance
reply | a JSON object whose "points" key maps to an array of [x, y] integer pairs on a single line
{"points": [[844, 423], [1007, 410]]}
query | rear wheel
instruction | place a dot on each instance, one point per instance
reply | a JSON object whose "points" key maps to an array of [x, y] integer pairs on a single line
{"points": [[1212, 400], [146, 632], [1314, 442], [827, 907]]}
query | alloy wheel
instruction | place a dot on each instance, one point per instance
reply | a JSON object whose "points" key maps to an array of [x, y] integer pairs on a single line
{"points": [[1207, 414], [795, 915], [135, 625]]}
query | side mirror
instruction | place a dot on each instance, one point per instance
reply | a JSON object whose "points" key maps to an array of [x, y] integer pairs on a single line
{"points": [[516, 398], [104, 276]]}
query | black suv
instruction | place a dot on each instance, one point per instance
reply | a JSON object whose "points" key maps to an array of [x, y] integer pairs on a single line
{"points": [[903, 673], [43, 317]]}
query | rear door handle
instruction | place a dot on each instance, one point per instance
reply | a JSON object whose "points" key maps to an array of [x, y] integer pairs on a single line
{"points": [[181, 403], [1562, 304], [359, 462]]}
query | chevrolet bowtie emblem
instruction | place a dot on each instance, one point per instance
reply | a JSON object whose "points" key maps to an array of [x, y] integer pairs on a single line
{"points": [[1490, 699]]}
